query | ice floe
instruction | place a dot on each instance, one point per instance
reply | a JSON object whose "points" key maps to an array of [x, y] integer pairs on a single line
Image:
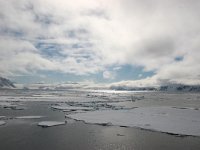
{"points": [[2, 117], [7, 105], [163, 119], [14, 106], [185, 108], [29, 117], [2, 123], [72, 108], [73, 112], [70, 121], [122, 105], [50, 123]]}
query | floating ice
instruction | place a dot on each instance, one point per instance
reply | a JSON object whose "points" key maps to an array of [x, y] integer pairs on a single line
{"points": [[13, 106], [79, 111], [121, 105], [19, 108], [105, 124], [73, 112], [2, 123], [50, 123], [2, 117], [72, 108], [163, 119], [7, 105], [70, 121], [29, 117], [185, 108]]}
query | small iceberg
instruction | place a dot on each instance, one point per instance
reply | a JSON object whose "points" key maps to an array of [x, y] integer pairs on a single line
{"points": [[50, 123], [2, 123], [29, 117]]}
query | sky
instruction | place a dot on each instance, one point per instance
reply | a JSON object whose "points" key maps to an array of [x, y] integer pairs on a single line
{"points": [[137, 42]]}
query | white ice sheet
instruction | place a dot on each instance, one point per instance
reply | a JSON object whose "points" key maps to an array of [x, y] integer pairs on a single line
{"points": [[164, 119]]}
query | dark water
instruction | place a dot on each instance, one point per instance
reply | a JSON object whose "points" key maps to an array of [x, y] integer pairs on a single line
{"points": [[20, 134]]}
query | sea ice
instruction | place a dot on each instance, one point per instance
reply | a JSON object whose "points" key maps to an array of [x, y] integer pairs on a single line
{"points": [[122, 105], [29, 117], [13, 106], [7, 105], [2, 117], [163, 119], [185, 108], [2, 123], [50, 123], [76, 111], [72, 108], [70, 121]]}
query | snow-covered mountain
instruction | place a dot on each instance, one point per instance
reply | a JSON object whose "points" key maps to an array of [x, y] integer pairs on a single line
{"points": [[167, 88], [180, 87], [130, 88], [5, 83]]}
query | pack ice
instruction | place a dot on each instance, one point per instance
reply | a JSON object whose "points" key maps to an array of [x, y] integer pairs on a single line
{"points": [[2, 123], [71, 108], [50, 123], [29, 117], [163, 119]]}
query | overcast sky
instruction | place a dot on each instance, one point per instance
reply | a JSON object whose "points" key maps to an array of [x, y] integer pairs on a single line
{"points": [[126, 41]]}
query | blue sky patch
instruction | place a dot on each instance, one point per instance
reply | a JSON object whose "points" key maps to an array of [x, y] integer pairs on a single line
{"points": [[179, 58]]}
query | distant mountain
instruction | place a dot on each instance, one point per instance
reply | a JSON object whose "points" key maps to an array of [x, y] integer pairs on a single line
{"points": [[129, 88], [5, 83], [167, 88], [180, 87]]}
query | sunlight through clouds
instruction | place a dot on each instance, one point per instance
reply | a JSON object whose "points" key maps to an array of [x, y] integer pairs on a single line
{"points": [[87, 37]]}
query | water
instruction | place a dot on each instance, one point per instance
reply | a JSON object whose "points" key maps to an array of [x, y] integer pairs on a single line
{"points": [[19, 134]]}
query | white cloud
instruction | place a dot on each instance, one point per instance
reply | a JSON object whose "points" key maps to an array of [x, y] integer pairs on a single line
{"points": [[108, 75], [147, 82], [140, 75], [96, 34]]}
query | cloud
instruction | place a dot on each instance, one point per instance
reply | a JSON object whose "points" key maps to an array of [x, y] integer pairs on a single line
{"points": [[108, 75], [147, 82], [89, 36], [140, 75]]}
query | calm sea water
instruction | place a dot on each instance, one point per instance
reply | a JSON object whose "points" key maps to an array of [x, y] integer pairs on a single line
{"points": [[19, 134]]}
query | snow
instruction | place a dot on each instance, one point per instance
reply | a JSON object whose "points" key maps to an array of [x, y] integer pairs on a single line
{"points": [[163, 119], [2, 123], [5, 83], [50, 123], [29, 117]]}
